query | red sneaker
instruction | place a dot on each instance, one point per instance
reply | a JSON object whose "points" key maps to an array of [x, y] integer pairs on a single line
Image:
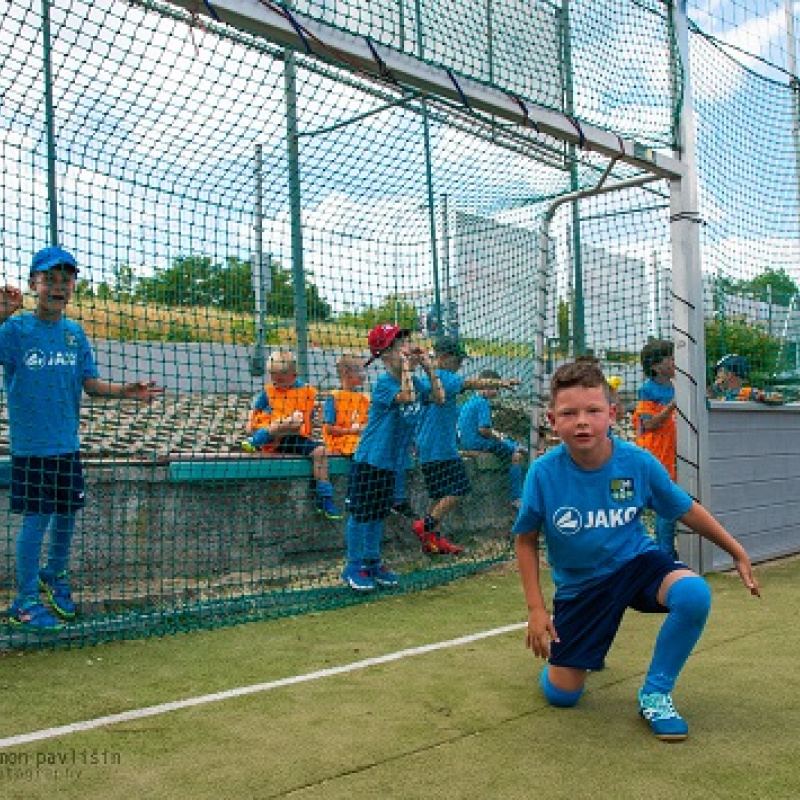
{"points": [[438, 545], [418, 526]]}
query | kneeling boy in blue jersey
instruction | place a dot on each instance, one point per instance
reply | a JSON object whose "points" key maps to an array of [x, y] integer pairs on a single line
{"points": [[586, 497]]}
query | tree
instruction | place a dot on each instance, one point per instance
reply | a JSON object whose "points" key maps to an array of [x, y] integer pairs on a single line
{"points": [[83, 288], [771, 286], [197, 281], [760, 349], [563, 326], [393, 307]]}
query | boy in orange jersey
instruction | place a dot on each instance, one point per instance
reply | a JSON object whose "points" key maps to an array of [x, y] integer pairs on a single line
{"points": [[654, 423], [344, 413], [280, 422]]}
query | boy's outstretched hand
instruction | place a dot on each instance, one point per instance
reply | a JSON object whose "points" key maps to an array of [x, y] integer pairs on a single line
{"points": [[10, 301], [143, 391], [745, 570]]}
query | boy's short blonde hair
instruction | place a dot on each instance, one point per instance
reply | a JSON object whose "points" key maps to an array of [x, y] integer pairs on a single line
{"points": [[282, 361], [348, 361]]}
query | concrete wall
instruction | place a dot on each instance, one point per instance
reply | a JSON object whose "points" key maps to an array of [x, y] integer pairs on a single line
{"points": [[147, 536], [754, 466]]}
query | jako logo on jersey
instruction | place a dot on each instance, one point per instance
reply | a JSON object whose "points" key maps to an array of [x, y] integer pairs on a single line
{"points": [[37, 359], [569, 521]]}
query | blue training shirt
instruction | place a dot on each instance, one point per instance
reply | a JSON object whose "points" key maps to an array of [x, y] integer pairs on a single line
{"points": [[591, 520], [437, 438], [475, 414], [45, 366], [663, 393], [389, 430]]}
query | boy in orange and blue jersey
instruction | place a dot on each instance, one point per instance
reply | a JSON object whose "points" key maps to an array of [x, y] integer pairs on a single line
{"points": [[345, 411], [280, 422], [654, 422]]}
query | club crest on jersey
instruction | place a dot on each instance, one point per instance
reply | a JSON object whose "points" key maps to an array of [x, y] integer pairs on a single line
{"points": [[622, 489]]}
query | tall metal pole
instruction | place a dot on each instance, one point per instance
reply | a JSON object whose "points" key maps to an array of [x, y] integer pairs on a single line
{"points": [[295, 210], [794, 85], [261, 283], [687, 305], [579, 312], [426, 134], [52, 197], [448, 315]]}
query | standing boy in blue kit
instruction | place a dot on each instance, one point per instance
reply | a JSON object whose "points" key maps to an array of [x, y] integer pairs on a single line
{"points": [[47, 363], [437, 444], [381, 454], [586, 498], [476, 432]]}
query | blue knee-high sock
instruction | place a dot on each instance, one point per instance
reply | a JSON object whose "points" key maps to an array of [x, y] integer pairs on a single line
{"points": [[688, 601], [372, 542], [515, 479], [355, 537], [60, 541], [324, 489], [29, 548], [555, 696]]}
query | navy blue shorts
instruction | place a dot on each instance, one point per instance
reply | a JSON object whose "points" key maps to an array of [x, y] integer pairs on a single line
{"points": [[47, 484], [296, 445], [370, 492], [587, 624], [446, 478]]}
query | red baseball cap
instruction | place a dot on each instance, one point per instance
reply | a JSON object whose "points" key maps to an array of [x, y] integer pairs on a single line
{"points": [[381, 338]]}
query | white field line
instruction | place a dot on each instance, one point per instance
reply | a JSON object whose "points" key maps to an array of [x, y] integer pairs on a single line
{"points": [[190, 702]]}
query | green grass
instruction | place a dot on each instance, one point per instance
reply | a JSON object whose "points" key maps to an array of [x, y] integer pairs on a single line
{"points": [[464, 722]]}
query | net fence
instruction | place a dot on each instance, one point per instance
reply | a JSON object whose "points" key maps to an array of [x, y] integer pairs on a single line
{"points": [[228, 199]]}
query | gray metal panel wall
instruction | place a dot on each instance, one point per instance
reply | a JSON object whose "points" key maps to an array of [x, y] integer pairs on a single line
{"points": [[754, 464]]}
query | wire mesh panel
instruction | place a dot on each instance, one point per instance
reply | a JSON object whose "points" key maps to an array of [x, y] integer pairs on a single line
{"points": [[242, 213], [745, 85]]}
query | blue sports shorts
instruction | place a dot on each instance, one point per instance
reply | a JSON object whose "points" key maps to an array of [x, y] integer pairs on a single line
{"points": [[446, 478], [370, 492], [47, 484], [587, 623]]}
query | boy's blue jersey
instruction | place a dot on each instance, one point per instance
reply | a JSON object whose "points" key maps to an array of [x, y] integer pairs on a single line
{"points": [[592, 519], [437, 438], [475, 414], [45, 365], [389, 430], [663, 393]]}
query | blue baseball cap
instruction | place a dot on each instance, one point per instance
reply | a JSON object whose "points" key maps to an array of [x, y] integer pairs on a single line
{"points": [[50, 257], [736, 364]]}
